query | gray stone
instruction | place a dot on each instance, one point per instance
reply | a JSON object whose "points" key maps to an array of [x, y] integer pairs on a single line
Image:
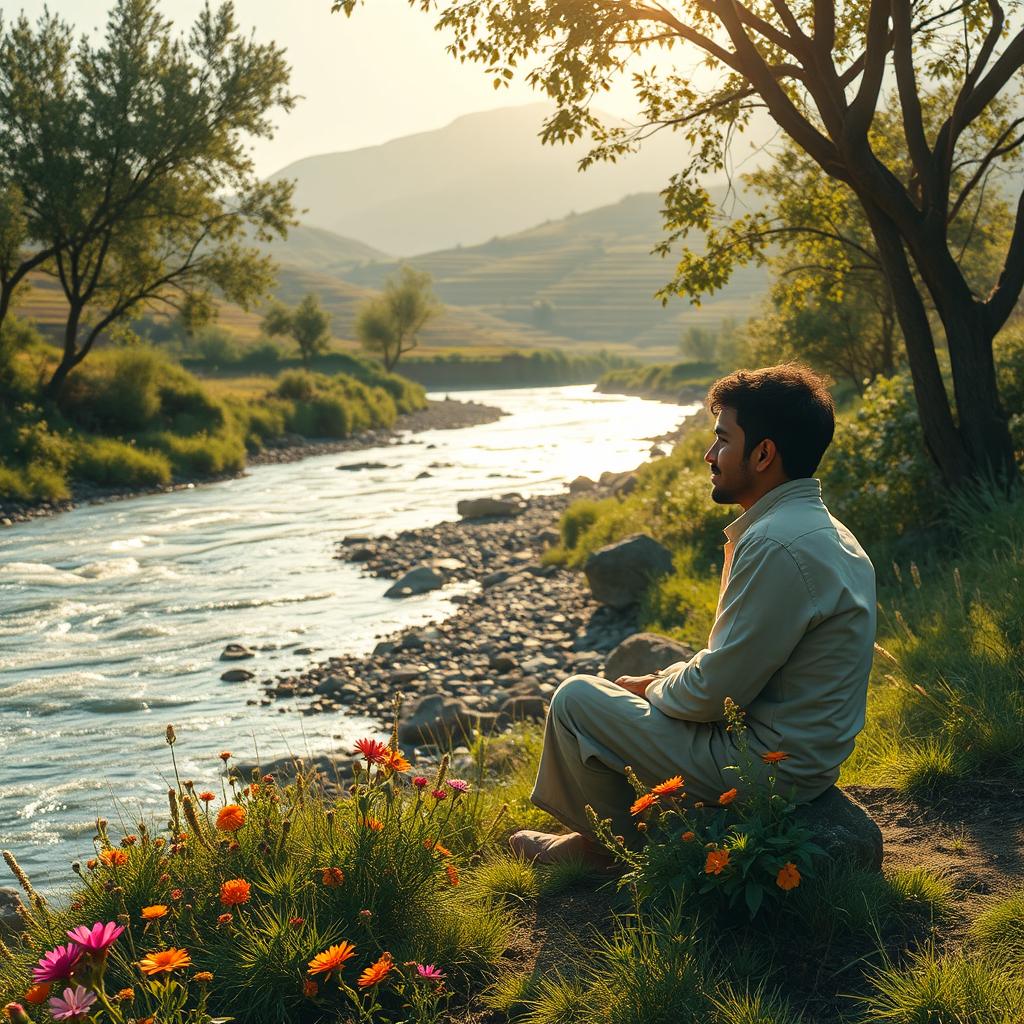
{"points": [[331, 685], [438, 719], [416, 581], [843, 828], [620, 573], [11, 921], [539, 663], [524, 707], [481, 508], [581, 484], [494, 578], [502, 663], [353, 467], [644, 653], [236, 652], [237, 675]]}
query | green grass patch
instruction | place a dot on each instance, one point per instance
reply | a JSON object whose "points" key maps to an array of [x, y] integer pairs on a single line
{"points": [[998, 930]]}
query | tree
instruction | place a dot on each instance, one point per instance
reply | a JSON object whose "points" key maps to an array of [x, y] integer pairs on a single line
{"points": [[389, 323], [818, 69], [308, 325], [130, 166]]}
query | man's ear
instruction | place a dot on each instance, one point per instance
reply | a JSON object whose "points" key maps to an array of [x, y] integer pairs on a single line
{"points": [[764, 455]]}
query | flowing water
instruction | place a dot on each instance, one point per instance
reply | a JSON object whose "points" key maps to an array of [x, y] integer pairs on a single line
{"points": [[113, 617]]}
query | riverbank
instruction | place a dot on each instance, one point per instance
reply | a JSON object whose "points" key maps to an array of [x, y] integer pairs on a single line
{"points": [[450, 414]]}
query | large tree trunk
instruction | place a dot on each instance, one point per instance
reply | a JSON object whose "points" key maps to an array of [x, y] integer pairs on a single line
{"points": [[71, 356]]}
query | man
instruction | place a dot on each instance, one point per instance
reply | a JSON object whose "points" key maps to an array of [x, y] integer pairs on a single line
{"points": [[792, 640]]}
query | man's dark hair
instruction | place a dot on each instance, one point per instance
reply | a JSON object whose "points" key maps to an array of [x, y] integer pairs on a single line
{"points": [[789, 404]]}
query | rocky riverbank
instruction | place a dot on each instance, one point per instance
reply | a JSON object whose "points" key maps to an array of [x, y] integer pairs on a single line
{"points": [[449, 414], [520, 628]]}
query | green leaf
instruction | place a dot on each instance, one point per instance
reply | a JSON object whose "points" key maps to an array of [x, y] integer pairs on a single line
{"points": [[753, 894]]}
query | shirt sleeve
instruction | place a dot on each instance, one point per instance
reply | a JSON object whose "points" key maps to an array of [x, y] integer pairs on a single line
{"points": [[764, 612]]}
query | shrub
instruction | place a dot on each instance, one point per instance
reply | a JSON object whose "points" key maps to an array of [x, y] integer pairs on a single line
{"points": [[201, 455], [111, 463], [999, 930]]}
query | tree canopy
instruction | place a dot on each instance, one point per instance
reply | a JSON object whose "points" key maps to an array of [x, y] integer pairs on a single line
{"points": [[388, 324], [308, 324], [818, 68]]}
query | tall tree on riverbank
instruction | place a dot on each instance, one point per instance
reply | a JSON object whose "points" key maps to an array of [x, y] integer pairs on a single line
{"points": [[818, 68], [308, 325], [389, 323], [127, 165]]}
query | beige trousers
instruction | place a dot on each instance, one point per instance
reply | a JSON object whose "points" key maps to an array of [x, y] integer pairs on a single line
{"points": [[595, 728]]}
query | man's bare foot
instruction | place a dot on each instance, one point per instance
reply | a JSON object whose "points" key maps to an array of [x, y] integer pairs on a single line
{"points": [[545, 848]]}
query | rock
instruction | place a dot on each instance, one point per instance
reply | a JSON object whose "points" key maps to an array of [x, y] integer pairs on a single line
{"points": [[524, 708], [643, 653], [480, 508], [494, 578], [657, 452], [549, 537], [502, 663], [539, 663], [237, 675], [236, 652], [843, 828], [581, 484], [11, 922], [352, 467], [424, 474], [437, 719], [363, 554], [330, 686], [624, 485], [416, 581], [448, 564], [620, 573]]}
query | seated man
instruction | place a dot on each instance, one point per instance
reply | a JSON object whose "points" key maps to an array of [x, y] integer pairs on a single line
{"points": [[792, 640]]}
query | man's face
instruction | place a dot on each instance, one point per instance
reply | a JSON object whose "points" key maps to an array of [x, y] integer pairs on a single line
{"points": [[731, 474]]}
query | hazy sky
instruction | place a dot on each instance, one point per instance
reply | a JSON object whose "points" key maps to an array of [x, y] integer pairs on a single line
{"points": [[379, 75]]}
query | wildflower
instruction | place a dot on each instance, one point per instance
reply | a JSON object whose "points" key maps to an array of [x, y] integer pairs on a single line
{"points": [[230, 818], [166, 960], [310, 989], [169, 735], [73, 1005], [225, 756], [430, 972], [366, 914], [159, 842], [373, 824], [377, 972], [91, 863], [716, 862], [206, 796], [155, 912], [374, 751], [176, 894], [225, 919], [643, 803], [333, 877], [453, 873], [332, 959], [97, 939], [57, 964], [16, 1014], [38, 993], [125, 995], [641, 826], [113, 858], [395, 761], [202, 977], [669, 786], [129, 840], [458, 786], [688, 837], [774, 756], [727, 797], [439, 794], [421, 782], [234, 892], [433, 844], [788, 877]]}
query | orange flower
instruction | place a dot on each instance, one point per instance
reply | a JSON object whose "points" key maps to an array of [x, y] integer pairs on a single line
{"points": [[395, 761], [373, 824], [727, 797], [332, 959], [687, 837], [453, 873], [333, 877], [374, 751], [230, 818], [225, 756], [669, 786], [225, 919], [234, 892], [376, 973], [113, 858], [206, 796], [310, 989], [788, 877], [642, 803], [152, 913], [716, 862], [774, 756], [38, 993], [433, 844], [166, 960]]}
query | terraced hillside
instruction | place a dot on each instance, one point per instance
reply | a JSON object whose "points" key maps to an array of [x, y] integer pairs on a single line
{"points": [[589, 277]]}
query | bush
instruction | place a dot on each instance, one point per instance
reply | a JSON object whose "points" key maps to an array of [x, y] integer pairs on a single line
{"points": [[200, 455], [112, 463], [999, 930]]}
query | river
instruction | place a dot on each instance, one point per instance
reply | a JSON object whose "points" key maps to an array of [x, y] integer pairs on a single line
{"points": [[113, 616]]}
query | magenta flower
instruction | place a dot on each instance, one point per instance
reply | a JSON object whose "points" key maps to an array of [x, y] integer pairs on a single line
{"points": [[75, 1004], [97, 939], [58, 964], [430, 972], [459, 786]]}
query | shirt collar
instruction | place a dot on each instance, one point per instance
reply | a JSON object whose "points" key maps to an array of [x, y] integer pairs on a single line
{"points": [[806, 487]]}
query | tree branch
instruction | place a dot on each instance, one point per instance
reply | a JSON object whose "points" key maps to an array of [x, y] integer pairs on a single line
{"points": [[876, 49], [910, 101], [1008, 288], [985, 162]]}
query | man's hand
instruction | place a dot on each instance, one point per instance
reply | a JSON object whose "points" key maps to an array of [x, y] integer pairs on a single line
{"points": [[636, 684]]}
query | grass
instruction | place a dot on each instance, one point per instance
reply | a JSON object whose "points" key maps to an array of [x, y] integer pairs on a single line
{"points": [[998, 931]]}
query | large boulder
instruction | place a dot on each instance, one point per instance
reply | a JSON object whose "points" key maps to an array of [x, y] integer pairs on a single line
{"points": [[619, 573], [644, 653], [481, 508], [439, 720], [11, 921], [843, 828], [416, 581]]}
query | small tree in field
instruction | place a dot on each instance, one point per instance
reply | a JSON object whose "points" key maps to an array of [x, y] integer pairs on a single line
{"points": [[388, 324], [308, 325]]}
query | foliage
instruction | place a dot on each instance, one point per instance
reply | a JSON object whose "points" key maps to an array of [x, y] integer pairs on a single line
{"points": [[517, 368], [111, 463], [308, 324], [999, 930], [675, 382], [141, 211], [389, 323]]}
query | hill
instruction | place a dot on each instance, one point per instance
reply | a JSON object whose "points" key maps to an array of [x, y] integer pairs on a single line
{"points": [[317, 249], [588, 277]]}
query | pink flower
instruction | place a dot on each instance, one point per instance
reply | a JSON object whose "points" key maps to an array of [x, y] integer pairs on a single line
{"points": [[58, 964], [97, 939], [458, 786], [430, 972], [75, 1004], [421, 782]]}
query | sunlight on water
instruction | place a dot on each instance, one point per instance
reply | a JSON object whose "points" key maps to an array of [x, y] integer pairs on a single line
{"points": [[113, 617]]}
